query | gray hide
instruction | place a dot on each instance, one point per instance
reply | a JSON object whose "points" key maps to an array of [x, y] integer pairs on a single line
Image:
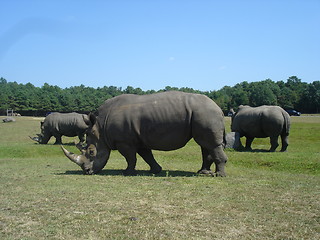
{"points": [[163, 121], [63, 124], [262, 122]]}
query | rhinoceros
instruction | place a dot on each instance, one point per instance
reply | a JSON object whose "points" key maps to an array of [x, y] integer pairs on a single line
{"points": [[162, 121], [261, 122], [62, 124]]}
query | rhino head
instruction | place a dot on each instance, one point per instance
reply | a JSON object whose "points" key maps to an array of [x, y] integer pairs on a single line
{"points": [[40, 137], [94, 153]]}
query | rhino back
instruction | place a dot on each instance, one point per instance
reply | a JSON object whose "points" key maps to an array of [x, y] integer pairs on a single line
{"points": [[163, 121], [68, 124]]}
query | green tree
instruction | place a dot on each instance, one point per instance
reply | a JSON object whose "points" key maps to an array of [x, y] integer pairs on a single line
{"points": [[261, 94], [310, 100]]}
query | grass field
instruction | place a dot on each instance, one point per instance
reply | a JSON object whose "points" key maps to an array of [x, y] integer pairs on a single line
{"points": [[266, 195]]}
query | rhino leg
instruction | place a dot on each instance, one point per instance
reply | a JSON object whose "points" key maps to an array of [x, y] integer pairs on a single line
{"points": [[58, 139], [285, 143], [206, 162], [130, 155], [81, 138], [147, 156], [274, 143], [220, 159], [217, 156], [249, 141]]}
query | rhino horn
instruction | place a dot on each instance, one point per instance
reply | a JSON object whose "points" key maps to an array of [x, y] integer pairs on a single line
{"points": [[80, 146], [34, 138], [73, 157]]}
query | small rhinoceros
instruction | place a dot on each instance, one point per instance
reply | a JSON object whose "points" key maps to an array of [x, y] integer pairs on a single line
{"points": [[163, 121], [261, 122], [8, 119], [62, 124]]}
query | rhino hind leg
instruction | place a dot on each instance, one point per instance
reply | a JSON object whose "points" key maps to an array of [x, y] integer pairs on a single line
{"points": [[284, 140], [274, 143], [147, 156]]}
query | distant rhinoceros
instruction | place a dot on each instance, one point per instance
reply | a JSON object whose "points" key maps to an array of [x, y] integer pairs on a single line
{"points": [[262, 122], [163, 121], [63, 124]]}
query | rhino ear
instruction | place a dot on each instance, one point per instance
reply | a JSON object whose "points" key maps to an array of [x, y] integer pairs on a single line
{"points": [[89, 119], [86, 119], [92, 118]]}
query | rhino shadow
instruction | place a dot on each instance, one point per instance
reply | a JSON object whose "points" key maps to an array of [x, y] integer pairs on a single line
{"points": [[252, 150], [117, 172]]}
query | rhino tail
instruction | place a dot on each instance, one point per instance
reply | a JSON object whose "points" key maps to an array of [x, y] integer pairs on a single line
{"points": [[286, 118], [224, 139]]}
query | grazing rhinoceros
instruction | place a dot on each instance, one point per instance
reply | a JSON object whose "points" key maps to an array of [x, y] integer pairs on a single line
{"points": [[62, 124], [262, 122], [163, 121]]}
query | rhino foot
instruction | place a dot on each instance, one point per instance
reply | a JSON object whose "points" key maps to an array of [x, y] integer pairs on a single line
{"points": [[205, 172], [219, 174], [213, 174], [156, 170]]}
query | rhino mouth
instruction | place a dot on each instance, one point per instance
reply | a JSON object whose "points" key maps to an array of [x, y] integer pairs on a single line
{"points": [[88, 171]]}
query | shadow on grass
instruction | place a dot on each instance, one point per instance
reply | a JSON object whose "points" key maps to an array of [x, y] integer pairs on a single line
{"points": [[117, 172], [253, 150]]}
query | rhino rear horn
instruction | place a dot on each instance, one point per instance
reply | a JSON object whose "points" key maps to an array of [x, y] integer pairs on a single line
{"points": [[80, 146], [73, 157]]}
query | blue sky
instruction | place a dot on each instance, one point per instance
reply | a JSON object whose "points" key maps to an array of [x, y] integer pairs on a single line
{"points": [[152, 44]]}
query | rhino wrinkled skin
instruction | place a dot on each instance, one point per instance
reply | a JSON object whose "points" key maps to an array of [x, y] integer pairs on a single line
{"points": [[63, 124], [261, 122], [163, 121]]}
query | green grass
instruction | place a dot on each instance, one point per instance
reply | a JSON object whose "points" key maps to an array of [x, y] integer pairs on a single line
{"points": [[43, 195]]}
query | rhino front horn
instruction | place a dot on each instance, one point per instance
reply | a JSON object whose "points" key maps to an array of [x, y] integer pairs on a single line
{"points": [[34, 138], [73, 157]]}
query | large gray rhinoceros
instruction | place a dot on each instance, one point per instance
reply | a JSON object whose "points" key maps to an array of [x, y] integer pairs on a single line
{"points": [[62, 124], [163, 121], [262, 122]]}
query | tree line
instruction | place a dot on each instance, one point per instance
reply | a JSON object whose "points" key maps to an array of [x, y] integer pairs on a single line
{"points": [[27, 99]]}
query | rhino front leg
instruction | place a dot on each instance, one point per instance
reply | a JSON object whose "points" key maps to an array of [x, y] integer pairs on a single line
{"points": [[249, 141], [130, 155], [81, 138], [274, 143], [147, 156], [58, 139], [220, 159], [217, 156]]}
